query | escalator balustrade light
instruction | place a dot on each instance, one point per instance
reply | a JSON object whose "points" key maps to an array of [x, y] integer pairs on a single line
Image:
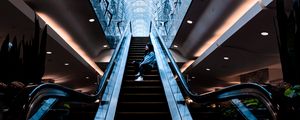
{"points": [[189, 100], [97, 101]]}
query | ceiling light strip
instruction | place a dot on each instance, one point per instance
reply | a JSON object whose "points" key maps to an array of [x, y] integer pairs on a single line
{"points": [[237, 19], [70, 41]]}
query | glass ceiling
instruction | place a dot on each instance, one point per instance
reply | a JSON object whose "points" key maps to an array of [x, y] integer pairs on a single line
{"points": [[114, 15]]}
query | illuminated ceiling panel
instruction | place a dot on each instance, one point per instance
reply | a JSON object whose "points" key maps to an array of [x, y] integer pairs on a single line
{"points": [[117, 13]]}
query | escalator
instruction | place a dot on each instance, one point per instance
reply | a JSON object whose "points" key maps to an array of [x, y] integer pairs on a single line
{"points": [[161, 95], [144, 99]]}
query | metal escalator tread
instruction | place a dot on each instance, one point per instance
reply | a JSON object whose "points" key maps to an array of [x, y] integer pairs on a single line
{"points": [[141, 100]]}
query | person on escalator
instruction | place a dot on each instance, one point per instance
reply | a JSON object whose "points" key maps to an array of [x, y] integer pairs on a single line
{"points": [[148, 62]]}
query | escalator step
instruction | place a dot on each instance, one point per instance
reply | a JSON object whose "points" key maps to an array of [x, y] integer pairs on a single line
{"points": [[142, 97], [143, 107], [146, 77], [144, 83], [143, 116], [143, 100], [142, 89]]}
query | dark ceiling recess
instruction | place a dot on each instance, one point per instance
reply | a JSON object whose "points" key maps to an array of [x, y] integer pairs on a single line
{"points": [[16, 23], [74, 18]]}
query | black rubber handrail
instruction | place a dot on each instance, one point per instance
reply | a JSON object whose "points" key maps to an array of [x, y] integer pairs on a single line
{"points": [[49, 90], [227, 93]]}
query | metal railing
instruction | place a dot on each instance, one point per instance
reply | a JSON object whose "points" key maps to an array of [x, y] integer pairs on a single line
{"points": [[227, 93]]}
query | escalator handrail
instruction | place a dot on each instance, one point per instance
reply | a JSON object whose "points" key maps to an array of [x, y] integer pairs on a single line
{"points": [[236, 90], [70, 92]]}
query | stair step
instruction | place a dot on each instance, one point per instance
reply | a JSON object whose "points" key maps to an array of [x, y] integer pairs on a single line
{"points": [[143, 116], [143, 107], [133, 72], [146, 77], [145, 82], [142, 89], [136, 53], [135, 57], [142, 97], [139, 42], [137, 46], [143, 100]]}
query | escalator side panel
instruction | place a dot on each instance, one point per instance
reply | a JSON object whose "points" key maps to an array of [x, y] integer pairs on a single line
{"points": [[176, 101]]}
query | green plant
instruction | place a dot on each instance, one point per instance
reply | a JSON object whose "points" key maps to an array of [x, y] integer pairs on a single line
{"points": [[292, 92], [252, 103]]}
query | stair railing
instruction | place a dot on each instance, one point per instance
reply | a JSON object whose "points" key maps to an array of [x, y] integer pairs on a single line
{"points": [[227, 93], [49, 93]]}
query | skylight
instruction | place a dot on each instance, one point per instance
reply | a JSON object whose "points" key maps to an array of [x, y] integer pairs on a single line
{"points": [[114, 15]]}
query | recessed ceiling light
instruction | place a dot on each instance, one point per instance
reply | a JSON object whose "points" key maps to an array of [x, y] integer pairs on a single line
{"points": [[97, 101], [193, 77], [48, 53], [226, 58], [207, 69], [91, 20], [105, 46], [264, 33], [66, 64], [87, 77], [189, 22], [175, 46]]}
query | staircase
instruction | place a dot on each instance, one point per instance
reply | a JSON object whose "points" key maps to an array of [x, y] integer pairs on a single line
{"points": [[141, 100]]}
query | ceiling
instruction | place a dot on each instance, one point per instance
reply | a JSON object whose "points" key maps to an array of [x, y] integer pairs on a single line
{"points": [[246, 48], [74, 18], [76, 75]]}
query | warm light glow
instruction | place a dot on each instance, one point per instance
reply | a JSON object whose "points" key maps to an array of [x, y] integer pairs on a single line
{"points": [[84, 89], [97, 101], [105, 46], [189, 22], [189, 100], [230, 21], [235, 82], [58, 79], [69, 40], [91, 20], [207, 69], [186, 65], [66, 64], [175, 46], [264, 33], [213, 89], [87, 77]]}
